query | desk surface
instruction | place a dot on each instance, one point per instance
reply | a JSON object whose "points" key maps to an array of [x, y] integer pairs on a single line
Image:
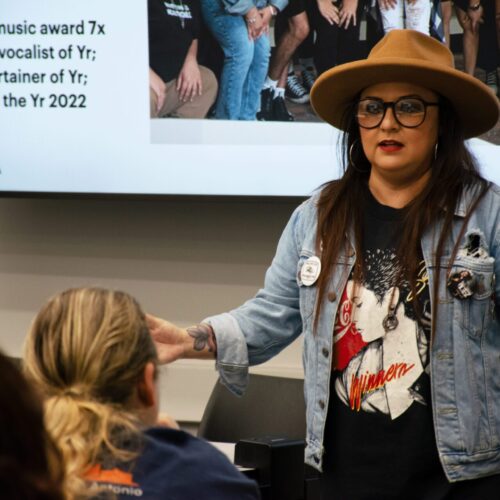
{"points": [[228, 450]]}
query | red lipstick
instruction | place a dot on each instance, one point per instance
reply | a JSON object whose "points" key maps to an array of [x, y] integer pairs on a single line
{"points": [[390, 146]]}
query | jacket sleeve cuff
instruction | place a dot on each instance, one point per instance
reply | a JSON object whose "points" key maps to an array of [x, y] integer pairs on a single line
{"points": [[232, 352]]}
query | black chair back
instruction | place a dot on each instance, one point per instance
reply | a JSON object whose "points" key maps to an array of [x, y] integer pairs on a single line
{"points": [[271, 406]]}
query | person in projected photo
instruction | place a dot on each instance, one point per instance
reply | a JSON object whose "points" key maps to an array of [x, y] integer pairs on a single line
{"points": [[392, 275], [410, 14], [241, 27], [291, 28], [480, 43], [90, 354], [178, 85], [338, 31], [336, 28]]}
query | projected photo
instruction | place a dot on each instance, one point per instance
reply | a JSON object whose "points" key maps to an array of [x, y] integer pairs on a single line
{"points": [[229, 87], [219, 60]]}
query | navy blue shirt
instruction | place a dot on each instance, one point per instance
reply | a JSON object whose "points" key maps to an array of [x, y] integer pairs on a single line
{"points": [[174, 465]]}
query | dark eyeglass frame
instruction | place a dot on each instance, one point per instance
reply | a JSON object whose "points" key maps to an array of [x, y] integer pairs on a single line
{"points": [[392, 104]]}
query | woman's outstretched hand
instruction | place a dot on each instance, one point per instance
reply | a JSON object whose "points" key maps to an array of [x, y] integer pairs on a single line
{"points": [[173, 343], [170, 340]]}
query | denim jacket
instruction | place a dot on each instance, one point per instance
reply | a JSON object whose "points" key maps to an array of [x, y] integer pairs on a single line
{"points": [[464, 357], [241, 7]]}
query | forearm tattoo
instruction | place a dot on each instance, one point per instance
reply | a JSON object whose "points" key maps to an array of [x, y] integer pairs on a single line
{"points": [[203, 336]]}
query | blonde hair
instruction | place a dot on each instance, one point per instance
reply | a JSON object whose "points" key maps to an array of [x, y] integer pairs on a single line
{"points": [[86, 351]]}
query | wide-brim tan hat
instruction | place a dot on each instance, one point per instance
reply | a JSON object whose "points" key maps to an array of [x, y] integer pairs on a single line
{"points": [[407, 56]]}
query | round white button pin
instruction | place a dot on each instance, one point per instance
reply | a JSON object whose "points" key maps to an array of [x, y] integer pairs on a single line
{"points": [[310, 271]]}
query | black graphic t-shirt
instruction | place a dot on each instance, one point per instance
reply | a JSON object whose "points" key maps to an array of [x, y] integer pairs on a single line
{"points": [[173, 25], [379, 436]]}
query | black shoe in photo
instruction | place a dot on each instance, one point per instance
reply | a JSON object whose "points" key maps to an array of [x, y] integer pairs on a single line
{"points": [[295, 91], [266, 105], [308, 79], [492, 81], [281, 113]]}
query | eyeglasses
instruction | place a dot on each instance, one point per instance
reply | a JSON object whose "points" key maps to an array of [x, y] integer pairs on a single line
{"points": [[408, 111]]}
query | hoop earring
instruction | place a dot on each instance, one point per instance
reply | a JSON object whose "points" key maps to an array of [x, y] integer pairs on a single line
{"points": [[351, 161], [436, 151]]}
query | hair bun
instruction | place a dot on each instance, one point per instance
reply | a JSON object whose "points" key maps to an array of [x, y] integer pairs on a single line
{"points": [[76, 392]]}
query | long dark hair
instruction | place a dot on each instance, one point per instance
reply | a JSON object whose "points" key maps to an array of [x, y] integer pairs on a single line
{"points": [[340, 205], [31, 467]]}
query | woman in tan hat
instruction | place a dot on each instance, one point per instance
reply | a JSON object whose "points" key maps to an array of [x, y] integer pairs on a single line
{"points": [[392, 274]]}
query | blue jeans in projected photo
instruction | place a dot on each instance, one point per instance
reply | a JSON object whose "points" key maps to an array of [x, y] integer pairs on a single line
{"points": [[245, 63]]}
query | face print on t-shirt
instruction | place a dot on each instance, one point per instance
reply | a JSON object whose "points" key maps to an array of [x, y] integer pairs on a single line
{"points": [[380, 350]]}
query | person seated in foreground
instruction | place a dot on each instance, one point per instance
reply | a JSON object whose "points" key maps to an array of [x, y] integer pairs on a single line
{"points": [[90, 353], [30, 465]]}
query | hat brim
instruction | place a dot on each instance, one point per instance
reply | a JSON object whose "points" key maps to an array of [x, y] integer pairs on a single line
{"points": [[474, 102]]}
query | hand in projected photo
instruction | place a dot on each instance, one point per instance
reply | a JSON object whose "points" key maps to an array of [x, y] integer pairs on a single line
{"points": [[189, 81], [347, 15], [475, 18], [266, 14], [157, 85], [329, 11], [255, 24]]}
